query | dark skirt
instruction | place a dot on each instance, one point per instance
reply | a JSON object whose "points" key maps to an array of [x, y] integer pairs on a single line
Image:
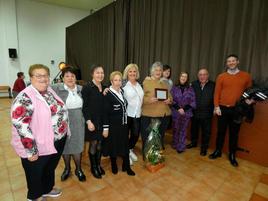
{"points": [[93, 135], [116, 144], [97, 133]]}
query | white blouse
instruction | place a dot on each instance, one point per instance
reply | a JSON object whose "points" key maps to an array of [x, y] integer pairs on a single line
{"points": [[119, 94], [134, 96], [73, 101]]}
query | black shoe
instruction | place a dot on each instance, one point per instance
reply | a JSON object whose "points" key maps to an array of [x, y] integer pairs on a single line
{"points": [[130, 172], [65, 174], [126, 167], [80, 175], [215, 154], [233, 160], [95, 172], [191, 145], [180, 151], [203, 152], [94, 169]]}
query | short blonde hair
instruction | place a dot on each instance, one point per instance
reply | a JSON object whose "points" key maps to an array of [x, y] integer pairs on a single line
{"points": [[37, 66], [113, 74], [128, 67]]}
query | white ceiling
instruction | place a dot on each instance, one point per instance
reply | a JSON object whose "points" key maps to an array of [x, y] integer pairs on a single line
{"points": [[89, 5]]}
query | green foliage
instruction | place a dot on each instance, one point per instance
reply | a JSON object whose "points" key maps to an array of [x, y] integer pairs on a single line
{"points": [[153, 146]]}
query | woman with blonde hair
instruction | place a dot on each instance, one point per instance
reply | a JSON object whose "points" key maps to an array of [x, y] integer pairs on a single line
{"points": [[133, 93], [116, 142]]}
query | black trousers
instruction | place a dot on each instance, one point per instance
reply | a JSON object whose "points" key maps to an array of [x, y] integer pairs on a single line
{"points": [[226, 120], [145, 122], [40, 174], [134, 125], [205, 125]]}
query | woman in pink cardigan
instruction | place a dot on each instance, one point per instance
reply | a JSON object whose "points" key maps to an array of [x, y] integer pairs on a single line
{"points": [[39, 130]]}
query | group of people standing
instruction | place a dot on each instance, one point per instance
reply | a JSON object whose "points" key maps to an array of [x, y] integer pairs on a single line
{"points": [[50, 121]]}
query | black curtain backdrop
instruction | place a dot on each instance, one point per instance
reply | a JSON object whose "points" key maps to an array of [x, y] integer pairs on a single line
{"points": [[99, 39], [186, 34]]}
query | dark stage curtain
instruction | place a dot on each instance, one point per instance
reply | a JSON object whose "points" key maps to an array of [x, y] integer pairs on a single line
{"points": [[98, 39], [187, 34]]}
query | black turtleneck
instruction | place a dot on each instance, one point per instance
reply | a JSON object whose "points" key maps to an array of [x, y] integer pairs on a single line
{"points": [[182, 87]]}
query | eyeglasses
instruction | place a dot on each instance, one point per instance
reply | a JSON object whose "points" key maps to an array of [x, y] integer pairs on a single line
{"points": [[39, 77]]}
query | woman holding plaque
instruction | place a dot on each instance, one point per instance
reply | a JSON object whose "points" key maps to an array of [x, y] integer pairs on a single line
{"points": [[156, 102], [183, 103]]}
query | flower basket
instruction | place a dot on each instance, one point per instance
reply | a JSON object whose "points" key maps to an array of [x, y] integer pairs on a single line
{"points": [[154, 159], [154, 168]]}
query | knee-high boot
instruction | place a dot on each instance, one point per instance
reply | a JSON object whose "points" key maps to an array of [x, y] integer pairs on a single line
{"points": [[126, 166], [93, 164], [114, 165], [98, 161]]}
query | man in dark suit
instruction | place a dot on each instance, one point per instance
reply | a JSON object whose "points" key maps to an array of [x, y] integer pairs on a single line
{"points": [[204, 91]]}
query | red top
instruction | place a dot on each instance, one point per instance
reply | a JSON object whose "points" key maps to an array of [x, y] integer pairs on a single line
{"points": [[229, 88], [19, 85]]}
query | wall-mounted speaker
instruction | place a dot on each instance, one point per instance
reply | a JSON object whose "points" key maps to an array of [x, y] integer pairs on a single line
{"points": [[12, 53]]}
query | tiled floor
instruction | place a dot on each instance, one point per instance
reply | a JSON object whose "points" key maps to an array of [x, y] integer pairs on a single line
{"points": [[185, 177]]}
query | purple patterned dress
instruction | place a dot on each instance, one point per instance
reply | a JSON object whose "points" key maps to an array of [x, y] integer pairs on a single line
{"points": [[183, 97]]}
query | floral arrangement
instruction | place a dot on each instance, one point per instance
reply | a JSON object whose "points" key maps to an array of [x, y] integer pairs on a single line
{"points": [[153, 147]]}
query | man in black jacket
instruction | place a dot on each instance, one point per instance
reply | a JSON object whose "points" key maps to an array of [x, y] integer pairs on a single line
{"points": [[202, 115]]}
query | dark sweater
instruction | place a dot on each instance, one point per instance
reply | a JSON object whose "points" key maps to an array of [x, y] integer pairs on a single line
{"points": [[204, 99], [93, 102]]}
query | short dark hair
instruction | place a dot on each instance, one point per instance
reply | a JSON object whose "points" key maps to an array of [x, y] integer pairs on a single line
{"points": [[68, 69], [19, 74], [167, 67], [232, 55], [94, 67]]}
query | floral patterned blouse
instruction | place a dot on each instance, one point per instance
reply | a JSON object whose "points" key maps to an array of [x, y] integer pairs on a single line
{"points": [[21, 119]]}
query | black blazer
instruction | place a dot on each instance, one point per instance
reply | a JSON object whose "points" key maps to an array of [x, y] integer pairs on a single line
{"points": [[93, 102], [115, 109]]}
